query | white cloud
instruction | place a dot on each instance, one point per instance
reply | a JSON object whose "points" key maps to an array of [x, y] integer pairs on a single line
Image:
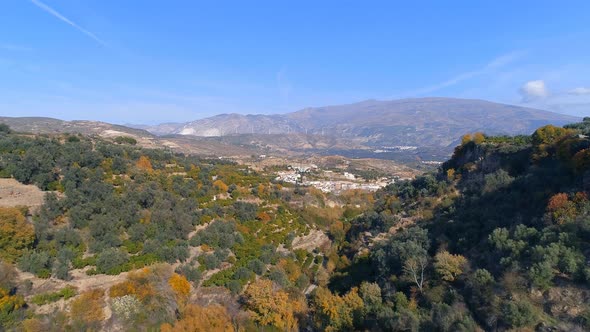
{"points": [[579, 91], [491, 67], [534, 90], [68, 21]]}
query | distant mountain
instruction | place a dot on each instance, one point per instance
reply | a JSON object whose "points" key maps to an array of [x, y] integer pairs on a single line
{"points": [[41, 125], [159, 129], [418, 122]]}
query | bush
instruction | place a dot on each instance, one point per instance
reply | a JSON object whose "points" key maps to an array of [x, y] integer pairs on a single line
{"points": [[519, 314], [111, 260], [125, 140], [37, 263], [64, 293]]}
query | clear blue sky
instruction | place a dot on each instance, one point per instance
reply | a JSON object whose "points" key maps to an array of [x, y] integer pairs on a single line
{"points": [[163, 61]]}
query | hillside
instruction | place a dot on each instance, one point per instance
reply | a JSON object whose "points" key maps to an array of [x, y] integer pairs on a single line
{"points": [[497, 239], [425, 122], [41, 125]]}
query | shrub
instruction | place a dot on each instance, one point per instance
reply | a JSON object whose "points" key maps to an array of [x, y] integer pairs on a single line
{"points": [[64, 293]]}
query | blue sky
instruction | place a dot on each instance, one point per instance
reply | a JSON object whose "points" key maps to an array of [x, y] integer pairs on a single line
{"points": [[170, 61]]}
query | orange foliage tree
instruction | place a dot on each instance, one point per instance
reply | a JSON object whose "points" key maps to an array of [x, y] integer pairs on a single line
{"points": [[221, 186], [478, 138], [561, 208], [179, 285], [263, 216], [466, 139], [88, 307], [16, 234], [138, 283], [144, 164], [213, 318]]}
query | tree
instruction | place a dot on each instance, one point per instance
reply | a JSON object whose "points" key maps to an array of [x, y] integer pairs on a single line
{"points": [[414, 268], [10, 305], [466, 139], [144, 164], [110, 260], [478, 138], [16, 235], [449, 266], [179, 285], [269, 306], [519, 314], [220, 186], [87, 308], [196, 318], [544, 137], [334, 312]]}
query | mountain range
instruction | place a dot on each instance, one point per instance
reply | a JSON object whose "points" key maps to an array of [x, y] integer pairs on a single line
{"points": [[417, 122], [404, 130]]}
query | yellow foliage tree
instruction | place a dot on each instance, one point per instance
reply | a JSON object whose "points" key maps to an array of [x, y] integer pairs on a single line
{"points": [[196, 318], [16, 234], [88, 307], [336, 313], [144, 164], [449, 266], [10, 303], [544, 137], [271, 307]]}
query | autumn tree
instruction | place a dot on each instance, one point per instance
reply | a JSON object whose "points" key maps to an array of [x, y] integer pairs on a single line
{"points": [[144, 164], [88, 307], [478, 138], [544, 137], [220, 186], [269, 306], [9, 306], [181, 288], [335, 312], [449, 266], [466, 139], [196, 318], [16, 234], [561, 208]]}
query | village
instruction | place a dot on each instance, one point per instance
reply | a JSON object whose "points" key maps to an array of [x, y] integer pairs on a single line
{"points": [[330, 181]]}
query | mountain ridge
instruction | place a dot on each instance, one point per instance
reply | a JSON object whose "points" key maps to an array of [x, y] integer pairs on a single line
{"points": [[433, 121]]}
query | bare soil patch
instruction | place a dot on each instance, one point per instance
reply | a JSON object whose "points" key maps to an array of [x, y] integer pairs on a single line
{"points": [[14, 193]]}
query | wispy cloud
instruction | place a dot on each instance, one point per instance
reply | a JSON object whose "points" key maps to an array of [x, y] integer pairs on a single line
{"points": [[489, 68], [15, 48], [68, 21], [579, 91]]}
